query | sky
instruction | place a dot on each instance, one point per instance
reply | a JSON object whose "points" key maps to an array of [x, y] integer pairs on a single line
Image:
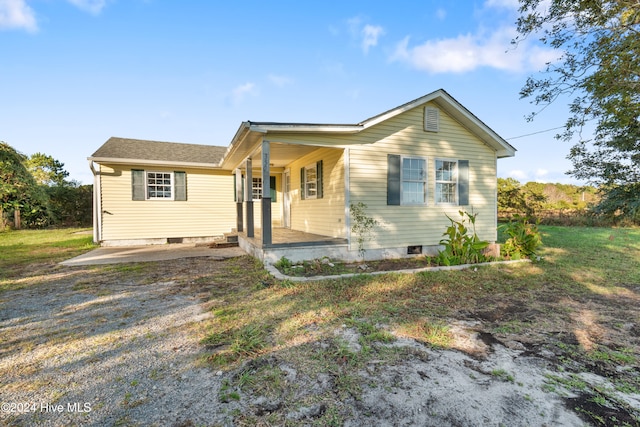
{"points": [[73, 73]]}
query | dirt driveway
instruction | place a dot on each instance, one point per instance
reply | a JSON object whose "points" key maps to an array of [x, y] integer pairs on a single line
{"points": [[118, 345]]}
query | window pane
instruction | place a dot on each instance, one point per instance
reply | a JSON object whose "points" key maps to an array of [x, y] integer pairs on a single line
{"points": [[445, 193], [414, 180], [159, 185], [413, 192], [310, 186]]}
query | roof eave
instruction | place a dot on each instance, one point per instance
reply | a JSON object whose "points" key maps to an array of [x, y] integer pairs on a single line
{"points": [[304, 128], [147, 162]]}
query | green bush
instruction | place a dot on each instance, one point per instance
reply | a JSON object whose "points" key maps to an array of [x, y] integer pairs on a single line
{"points": [[523, 238], [459, 246], [284, 264]]}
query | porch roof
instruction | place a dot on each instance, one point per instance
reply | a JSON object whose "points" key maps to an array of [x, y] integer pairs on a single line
{"points": [[249, 135]]}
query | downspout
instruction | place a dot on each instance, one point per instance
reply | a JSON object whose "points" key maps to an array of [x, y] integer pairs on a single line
{"points": [[97, 204]]}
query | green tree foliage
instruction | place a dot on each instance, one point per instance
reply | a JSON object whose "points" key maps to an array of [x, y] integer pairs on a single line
{"points": [[526, 199], [46, 170], [37, 187], [18, 188], [599, 71]]}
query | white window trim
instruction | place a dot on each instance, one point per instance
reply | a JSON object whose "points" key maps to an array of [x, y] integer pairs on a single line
{"points": [[253, 179], [455, 202], [426, 181], [313, 166], [146, 185]]}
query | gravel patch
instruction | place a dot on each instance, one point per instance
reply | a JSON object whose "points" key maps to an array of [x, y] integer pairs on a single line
{"points": [[105, 354]]}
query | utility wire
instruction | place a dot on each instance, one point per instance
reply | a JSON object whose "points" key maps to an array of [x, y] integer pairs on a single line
{"points": [[534, 133]]}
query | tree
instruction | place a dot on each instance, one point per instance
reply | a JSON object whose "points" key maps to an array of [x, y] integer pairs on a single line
{"points": [[18, 189], [527, 199], [599, 71], [46, 170]]}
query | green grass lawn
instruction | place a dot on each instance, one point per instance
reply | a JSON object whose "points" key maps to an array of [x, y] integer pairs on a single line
{"points": [[576, 263], [21, 248]]}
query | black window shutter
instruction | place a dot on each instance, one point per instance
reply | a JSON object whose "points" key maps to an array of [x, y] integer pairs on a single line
{"points": [[319, 179], [180, 186], [272, 185], [137, 184], [301, 183], [393, 179], [463, 182]]}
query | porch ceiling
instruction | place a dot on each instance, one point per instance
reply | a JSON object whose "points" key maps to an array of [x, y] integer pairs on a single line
{"points": [[284, 154], [280, 154]]}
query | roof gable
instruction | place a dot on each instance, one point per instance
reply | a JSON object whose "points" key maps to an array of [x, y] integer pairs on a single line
{"points": [[440, 98], [138, 151]]}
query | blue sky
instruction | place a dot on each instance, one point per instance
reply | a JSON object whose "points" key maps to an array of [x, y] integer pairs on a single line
{"points": [[75, 72]]}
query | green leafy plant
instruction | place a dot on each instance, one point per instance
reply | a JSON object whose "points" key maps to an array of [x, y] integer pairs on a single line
{"points": [[362, 225], [461, 243], [523, 240], [284, 264]]}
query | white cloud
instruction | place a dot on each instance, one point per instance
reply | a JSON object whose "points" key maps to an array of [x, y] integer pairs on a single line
{"points": [[239, 93], [541, 172], [366, 35], [441, 14], [467, 52], [16, 14], [279, 81], [370, 35], [92, 6]]}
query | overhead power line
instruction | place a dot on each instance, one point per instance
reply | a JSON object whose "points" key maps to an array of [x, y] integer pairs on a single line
{"points": [[534, 133]]}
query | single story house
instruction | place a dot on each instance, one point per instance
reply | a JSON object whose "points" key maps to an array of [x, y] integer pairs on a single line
{"points": [[287, 188]]}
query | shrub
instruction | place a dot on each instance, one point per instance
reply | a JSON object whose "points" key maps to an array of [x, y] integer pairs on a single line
{"points": [[362, 225], [523, 240], [459, 246], [284, 265]]}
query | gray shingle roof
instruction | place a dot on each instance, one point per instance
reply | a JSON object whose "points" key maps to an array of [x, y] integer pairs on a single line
{"points": [[171, 152]]}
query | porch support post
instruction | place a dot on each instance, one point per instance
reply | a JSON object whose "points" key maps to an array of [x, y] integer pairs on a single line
{"points": [[239, 213], [248, 197], [266, 194]]}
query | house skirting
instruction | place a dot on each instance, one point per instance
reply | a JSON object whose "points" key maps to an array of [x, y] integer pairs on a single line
{"points": [[305, 251], [160, 241]]}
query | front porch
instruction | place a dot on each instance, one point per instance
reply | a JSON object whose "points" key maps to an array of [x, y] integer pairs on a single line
{"points": [[294, 245]]}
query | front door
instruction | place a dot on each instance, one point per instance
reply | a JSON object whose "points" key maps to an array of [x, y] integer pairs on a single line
{"points": [[286, 199]]}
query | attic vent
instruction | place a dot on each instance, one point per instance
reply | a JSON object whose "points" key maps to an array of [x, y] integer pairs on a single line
{"points": [[431, 119]]}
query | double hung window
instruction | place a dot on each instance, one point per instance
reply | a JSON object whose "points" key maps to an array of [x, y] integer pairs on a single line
{"points": [[446, 182], [159, 185], [156, 185], [414, 181]]}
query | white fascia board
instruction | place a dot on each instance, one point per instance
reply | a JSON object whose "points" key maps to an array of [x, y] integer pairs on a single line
{"points": [[399, 110], [305, 128], [145, 162]]}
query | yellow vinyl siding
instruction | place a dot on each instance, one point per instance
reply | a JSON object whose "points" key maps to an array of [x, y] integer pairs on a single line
{"points": [[323, 216], [208, 211], [403, 135], [421, 225]]}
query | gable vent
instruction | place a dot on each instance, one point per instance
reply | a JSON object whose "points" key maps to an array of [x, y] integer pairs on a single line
{"points": [[431, 119]]}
